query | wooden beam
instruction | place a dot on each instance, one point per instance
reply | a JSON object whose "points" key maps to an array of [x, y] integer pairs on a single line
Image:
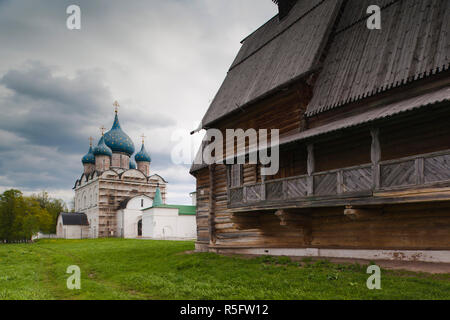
{"points": [[287, 217], [375, 155], [420, 171], [212, 215], [311, 167], [361, 213], [311, 162], [297, 220]]}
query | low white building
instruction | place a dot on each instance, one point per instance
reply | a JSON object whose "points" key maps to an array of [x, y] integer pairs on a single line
{"points": [[169, 222], [72, 226], [138, 216], [129, 217], [144, 217]]}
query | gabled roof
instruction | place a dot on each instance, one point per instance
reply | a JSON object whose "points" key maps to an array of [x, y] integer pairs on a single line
{"points": [[274, 55], [414, 42], [74, 219]]}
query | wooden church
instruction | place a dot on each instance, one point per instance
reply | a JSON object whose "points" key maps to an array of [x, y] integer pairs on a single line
{"points": [[364, 120]]}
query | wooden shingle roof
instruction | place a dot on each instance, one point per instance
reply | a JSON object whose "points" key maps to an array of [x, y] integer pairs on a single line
{"points": [[274, 55], [414, 43]]}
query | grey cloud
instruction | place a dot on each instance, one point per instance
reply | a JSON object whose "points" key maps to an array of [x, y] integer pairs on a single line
{"points": [[59, 111], [163, 61], [51, 110]]}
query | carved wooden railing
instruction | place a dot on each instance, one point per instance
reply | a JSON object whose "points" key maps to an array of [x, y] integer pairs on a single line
{"points": [[411, 172]]}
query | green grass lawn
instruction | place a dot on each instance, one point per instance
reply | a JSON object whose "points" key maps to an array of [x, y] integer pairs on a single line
{"points": [[140, 269]]}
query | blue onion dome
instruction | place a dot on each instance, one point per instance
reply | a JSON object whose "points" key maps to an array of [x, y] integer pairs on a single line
{"points": [[102, 149], [118, 140], [132, 164], [89, 158], [143, 156]]}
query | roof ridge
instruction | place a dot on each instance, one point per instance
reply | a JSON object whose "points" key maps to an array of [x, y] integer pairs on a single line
{"points": [[259, 28], [364, 17]]}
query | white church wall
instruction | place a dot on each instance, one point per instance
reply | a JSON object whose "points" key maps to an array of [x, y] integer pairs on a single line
{"points": [[166, 224], [86, 201], [133, 174], [187, 227], [148, 225], [92, 215], [128, 219], [139, 203], [127, 223], [86, 196]]}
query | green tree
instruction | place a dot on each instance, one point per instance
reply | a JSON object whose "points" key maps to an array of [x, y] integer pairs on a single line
{"points": [[53, 206], [10, 204], [21, 217]]}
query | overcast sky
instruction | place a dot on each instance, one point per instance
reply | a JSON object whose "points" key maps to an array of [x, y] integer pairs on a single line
{"points": [[162, 60]]}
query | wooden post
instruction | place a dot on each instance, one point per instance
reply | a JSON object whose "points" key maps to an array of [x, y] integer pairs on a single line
{"points": [[212, 215], [284, 187], [311, 168], [375, 155], [263, 188], [228, 184], [420, 174], [340, 182], [361, 213]]}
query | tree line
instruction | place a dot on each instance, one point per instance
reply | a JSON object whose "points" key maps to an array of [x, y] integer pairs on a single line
{"points": [[23, 216]]}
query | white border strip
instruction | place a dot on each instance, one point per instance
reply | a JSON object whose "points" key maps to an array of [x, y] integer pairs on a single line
{"points": [[436, 256]]}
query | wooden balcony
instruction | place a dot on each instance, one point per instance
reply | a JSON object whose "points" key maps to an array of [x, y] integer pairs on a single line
{"points": [[419, 178]]}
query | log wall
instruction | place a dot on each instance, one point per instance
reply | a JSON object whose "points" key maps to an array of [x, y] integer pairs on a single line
{"points": [[420, 226], [203, 193]]}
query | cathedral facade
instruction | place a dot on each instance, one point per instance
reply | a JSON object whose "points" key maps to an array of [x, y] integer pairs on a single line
{"points": [[114, 178]]}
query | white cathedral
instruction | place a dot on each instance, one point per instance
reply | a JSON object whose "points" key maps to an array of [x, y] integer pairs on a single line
{"points": [[117, 196]]}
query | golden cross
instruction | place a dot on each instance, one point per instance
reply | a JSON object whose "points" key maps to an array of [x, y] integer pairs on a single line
{"points": [[102, 128], [116, 106], [143, 138], [90, 141]]}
